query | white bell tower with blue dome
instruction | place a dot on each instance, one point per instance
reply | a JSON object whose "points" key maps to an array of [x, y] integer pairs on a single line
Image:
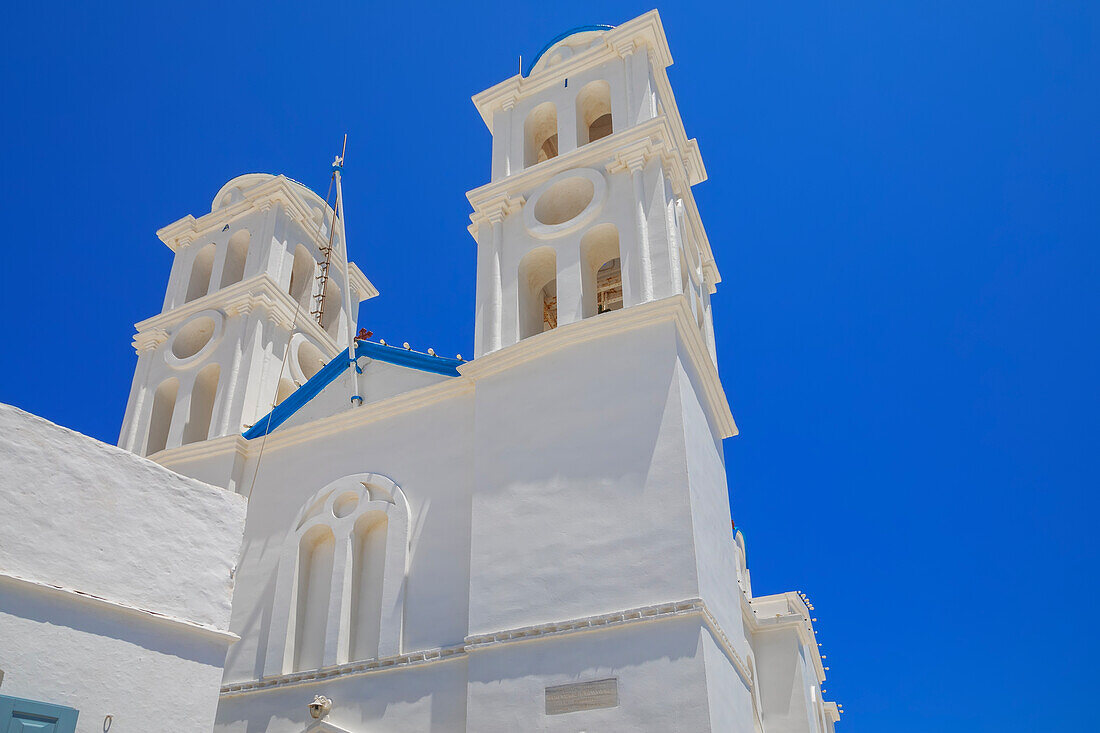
{"points": [[539, 538], [245, 288], [589, 208]]}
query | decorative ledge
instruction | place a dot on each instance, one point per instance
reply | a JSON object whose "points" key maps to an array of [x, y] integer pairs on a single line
{"points": [[80, 596], [588, 623], [343, 670], [478, 642]]}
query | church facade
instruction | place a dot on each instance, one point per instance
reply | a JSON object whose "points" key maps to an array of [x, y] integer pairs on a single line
{"points": [[538, 538]]}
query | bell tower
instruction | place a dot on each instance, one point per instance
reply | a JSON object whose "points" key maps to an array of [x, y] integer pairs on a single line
{"points": [[589, 209], [246, 283]]}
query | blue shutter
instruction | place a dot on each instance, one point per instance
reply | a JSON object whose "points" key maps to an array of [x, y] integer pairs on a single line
{"points": [[28, 716]]}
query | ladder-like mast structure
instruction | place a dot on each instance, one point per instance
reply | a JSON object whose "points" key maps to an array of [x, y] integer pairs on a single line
{"points": [[338, 214]]}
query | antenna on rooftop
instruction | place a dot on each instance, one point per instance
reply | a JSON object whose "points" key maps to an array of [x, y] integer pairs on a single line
{"points": [[322, 277], [337, 168], [337, 206]]}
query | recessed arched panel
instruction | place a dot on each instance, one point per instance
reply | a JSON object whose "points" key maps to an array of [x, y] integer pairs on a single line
{"points": [[160, 423], [594, 112], [316, 551], [306, 358], [334, 304], [201, 410], [195, 339], [601, 274], [201, 269], [236, 256], [564, 203], [368, 571], [302, 276], [286, 389], [540, 132], [538, 273], [345, 555]]}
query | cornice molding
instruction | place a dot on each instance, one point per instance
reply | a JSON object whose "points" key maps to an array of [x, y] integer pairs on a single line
{"points": [[137, 612], [496, 210], [261, 197], [381, 664], [636, 156], [149, 340], [644, 32], [241, 298], [797, 619], [656, 131], [527, 634], [658, 612], [673, 308], [655, 137], [416, 399], [214, 447], [360, 283]]}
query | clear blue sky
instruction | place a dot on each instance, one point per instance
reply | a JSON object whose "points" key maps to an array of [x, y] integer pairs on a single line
{"points": [[903, 202]]}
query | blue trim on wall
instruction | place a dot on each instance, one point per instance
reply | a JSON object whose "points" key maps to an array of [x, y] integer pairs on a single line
{"points": [[562, 37], [406, 358], [329, 372]]}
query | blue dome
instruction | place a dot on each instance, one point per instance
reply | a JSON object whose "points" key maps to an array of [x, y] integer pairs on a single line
{"points": [[562, 36]]}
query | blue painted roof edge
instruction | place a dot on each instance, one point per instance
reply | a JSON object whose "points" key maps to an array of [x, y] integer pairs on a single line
{"points": [[562, 37], [406, 358], [329, 372]]}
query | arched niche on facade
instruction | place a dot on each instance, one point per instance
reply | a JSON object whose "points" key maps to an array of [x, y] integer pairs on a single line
{"points": [[160, 422], [345, 602], [540, 134], [236, 256], [302, 275], [203, 393], [538, 292], [602, 273], [306, 358], [201, 269], [594, 112]]}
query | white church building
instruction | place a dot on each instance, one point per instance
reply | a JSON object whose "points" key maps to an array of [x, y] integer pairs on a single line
{"points": [[537, 538]]}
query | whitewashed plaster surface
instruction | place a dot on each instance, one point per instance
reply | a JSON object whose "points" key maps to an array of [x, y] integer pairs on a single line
{"points": [[145, 536], [116, 579], [560, 507]]}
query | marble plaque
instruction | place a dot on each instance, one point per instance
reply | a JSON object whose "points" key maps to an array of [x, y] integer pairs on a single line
{"points": [[582, 696]]}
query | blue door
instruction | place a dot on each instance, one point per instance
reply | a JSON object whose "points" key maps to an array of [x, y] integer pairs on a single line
{"points": [[28, 716]]}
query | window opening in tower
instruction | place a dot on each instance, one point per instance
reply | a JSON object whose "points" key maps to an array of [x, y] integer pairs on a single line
{"points": [[609, 286], [550, 306], [600, 127], [549, 148]]}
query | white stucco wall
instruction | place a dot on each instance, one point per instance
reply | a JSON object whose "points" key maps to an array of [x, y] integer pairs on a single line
{"points": [[116, 577], [427, 452], [556, 489], [581, 504], [662, 684], [563, 505], [785, 682]]}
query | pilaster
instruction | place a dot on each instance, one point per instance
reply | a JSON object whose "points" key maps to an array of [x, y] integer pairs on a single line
{"points": [[570, 286], [179, 275], [488, 221], [338, 623]]}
